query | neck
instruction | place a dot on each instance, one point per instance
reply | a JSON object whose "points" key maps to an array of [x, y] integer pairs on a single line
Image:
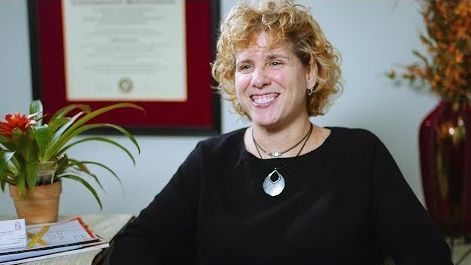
{"points": [[279, 140]]}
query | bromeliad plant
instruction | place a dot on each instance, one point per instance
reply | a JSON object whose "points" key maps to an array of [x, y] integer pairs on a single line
{"points": [[27, 143]]}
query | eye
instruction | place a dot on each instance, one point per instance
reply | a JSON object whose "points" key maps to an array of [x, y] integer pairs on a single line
{"points": [[244, 68], [276, 64]]}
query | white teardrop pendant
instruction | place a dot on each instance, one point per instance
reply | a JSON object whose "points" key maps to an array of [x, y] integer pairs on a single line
{"points": [[274, 183]]}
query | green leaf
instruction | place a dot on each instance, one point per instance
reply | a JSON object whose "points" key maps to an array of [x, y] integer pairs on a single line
{"points": [[35, 107], [127, 134], [5, 161], [86, 184], [36, 111], [80, 130], [76, 128], [82, 169], [15, 166], [42, 136], [55, 124], [18, 138], [101, 139], [70, 121], [4, 139], [3, 148], [100, 165], [21, 185], [67, 109], [9, 145], [51, 150], [95, 178], [31, 170], [23, 145], [96, 113], [5, 157]]}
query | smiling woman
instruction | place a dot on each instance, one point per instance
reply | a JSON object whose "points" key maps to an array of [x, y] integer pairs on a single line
{"points": [[294, 28], [282, 191]]}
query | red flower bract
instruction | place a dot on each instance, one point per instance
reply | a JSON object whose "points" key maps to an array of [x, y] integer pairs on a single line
{"points": [[16, 120]]}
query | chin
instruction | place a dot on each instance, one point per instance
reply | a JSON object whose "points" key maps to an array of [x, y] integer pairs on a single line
{"points": [[264, 122], [266, 115]]}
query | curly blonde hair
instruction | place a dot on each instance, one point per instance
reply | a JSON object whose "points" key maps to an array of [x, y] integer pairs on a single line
{"points": [[284, 21]]}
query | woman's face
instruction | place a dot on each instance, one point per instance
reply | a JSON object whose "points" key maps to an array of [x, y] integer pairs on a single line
{"points": [[271, 83]]}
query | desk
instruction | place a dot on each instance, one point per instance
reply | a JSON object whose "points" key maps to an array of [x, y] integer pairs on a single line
{"points": [[108, 225], [104, 225], [459, 249]]}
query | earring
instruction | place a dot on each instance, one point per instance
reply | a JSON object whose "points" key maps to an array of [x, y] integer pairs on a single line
{"points": [[311, 91]]}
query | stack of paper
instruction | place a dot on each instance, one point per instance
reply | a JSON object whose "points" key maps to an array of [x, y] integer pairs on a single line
{"points": [[52, 240], [12, 234]]}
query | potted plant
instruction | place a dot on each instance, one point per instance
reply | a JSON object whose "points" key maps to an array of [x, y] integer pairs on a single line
{"points": [[33, 158]]}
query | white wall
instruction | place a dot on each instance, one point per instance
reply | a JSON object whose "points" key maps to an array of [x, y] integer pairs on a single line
{"points": [[371, 35]]}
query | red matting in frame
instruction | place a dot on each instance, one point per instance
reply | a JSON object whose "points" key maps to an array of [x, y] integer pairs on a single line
{"points": [[198, 115]]}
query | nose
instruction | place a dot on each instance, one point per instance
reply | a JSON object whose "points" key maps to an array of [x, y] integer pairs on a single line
{"points": [[260, 78]]}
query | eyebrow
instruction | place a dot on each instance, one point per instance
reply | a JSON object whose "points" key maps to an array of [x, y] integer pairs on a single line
{"points": [[248, 60], [268, 58], [275, 56]]}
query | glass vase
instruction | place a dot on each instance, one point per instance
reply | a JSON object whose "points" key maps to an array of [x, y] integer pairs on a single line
{"points": [[445, 157]]}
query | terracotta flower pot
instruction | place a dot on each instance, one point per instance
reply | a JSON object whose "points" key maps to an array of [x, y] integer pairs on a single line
{"points": [[41, 204]]}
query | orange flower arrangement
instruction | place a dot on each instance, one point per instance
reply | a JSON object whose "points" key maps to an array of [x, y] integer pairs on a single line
{"points": [[447, 69]]}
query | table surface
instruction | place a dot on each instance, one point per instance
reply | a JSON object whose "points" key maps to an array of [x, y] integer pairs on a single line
{"points": [[108, 225], [104, 225], [459, 250]]}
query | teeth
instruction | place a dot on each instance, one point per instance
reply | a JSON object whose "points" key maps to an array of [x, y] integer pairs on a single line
{"points": [[263, 99]]}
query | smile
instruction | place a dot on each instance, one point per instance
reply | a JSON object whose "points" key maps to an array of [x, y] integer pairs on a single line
{"points": [[264, 99]]}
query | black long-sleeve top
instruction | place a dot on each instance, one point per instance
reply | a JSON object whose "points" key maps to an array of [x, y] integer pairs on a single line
{"points": [[345, 202]]}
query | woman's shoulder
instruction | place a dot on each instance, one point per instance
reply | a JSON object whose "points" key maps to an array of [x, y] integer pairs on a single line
{"points": [[354, 144], [346, 132], [352, 133], [224, 142], [352, 137]]}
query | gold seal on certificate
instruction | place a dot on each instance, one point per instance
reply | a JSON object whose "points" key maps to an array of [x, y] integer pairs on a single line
{"points": [[125, 85]]}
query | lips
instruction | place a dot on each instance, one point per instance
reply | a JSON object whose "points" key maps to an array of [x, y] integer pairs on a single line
{"points": [[264, 99]]}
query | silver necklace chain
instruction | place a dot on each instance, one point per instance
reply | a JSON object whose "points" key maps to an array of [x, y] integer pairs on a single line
{"points": [[274, 187]]}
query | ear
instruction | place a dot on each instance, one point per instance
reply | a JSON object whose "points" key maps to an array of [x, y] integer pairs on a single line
{"points": [[311, 74]]}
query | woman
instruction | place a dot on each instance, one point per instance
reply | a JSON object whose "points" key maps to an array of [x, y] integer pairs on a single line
{"points": [[282, 191]]}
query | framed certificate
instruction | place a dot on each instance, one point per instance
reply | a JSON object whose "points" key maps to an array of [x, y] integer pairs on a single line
{"points": [[155, 53]]}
